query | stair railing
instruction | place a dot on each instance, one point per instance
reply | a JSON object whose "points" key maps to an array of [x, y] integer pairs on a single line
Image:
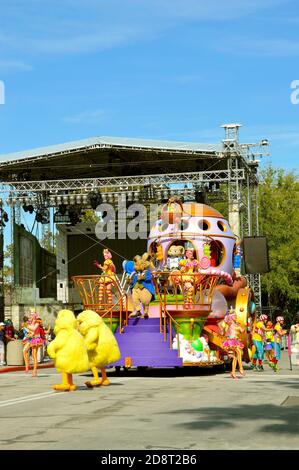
{"points": [[88, 287]]}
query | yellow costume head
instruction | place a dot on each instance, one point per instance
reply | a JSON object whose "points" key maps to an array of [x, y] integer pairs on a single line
{"points": [[101, 344], [88, 319], [65, 320]]}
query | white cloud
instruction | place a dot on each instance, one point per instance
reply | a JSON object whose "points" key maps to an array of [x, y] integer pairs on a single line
{"points": [[14, 65], [86, 117], [264, 47], [81, 26]]}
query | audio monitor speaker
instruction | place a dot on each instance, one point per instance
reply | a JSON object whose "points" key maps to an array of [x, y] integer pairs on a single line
{"points": [[256, 256]]}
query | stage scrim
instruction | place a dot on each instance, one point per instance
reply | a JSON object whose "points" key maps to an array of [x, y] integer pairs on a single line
{"points": [[82, 251], [33, 265]]}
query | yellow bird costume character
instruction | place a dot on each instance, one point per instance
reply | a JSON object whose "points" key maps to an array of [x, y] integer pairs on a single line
{"points": [[101, 345], [68, 350]]}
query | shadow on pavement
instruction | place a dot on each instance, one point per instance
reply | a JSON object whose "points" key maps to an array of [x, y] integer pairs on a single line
{"points": [[281, 419]]}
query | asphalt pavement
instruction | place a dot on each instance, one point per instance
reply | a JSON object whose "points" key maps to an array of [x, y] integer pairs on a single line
{"points": [[192, 409]]}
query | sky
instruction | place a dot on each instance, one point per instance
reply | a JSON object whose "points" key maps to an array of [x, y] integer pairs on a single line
{"points": [[158, 69]]}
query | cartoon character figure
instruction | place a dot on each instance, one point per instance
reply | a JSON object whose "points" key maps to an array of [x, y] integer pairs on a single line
{"points": [[188, 266], [106, 282], [231, 328], [68, 350], [174, 256], [258, 336], [143, 288], [101, 345], [32, 340]]}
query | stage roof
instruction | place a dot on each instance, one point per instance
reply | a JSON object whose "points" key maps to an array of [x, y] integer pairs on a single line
{"points": [[110, 156]]}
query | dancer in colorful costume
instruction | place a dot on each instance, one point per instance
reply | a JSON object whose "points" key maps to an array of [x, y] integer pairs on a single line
{"points": [[269, 344], [188, 266], [32, 340], [106, 282], [278, 334], [231, 329], [68, 350], [258, 336], [101, 345]]}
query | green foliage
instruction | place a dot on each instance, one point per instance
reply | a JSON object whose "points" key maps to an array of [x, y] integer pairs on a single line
{"points": [[48, 241], [90, 216], [279, 221], [8, 267]]}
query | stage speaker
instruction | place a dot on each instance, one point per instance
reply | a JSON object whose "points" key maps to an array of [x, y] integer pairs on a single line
{"points": [[256, 256]]}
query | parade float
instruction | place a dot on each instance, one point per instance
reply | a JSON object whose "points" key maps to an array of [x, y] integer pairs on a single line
{"points": [[196, 278]]}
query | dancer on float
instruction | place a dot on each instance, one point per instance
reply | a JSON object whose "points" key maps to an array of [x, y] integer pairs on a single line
{"points": [[279, 333], [188, 266], [32, 340], [258, 337], [106, 282], [231, 329]]}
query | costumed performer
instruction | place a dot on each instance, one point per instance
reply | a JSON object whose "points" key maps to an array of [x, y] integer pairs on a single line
{"points": [[231, 328], [101, 345], [258, 336], [106, 282], [32, 340], [188, 266], [278, 334], [68, 350]]}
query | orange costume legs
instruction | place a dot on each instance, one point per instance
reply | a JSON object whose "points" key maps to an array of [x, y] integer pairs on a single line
{"points": [[96, 381], [66, 383], [34, 355], [108, 292], [189, 290]]}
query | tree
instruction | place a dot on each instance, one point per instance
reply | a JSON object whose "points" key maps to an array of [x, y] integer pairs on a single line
{"points": [[279, 221], [89, 216], [48, 241], [8, 268]]}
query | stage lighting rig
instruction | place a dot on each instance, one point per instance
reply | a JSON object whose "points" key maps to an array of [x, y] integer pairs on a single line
{"points": [[42, 216], [4, 218], [28, 208], [62, 209], [95, 199]]}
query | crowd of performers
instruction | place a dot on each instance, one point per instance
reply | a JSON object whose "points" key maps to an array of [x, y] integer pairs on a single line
{"points": [[266, 339], [266, 336], [267, 342], [85, 342], [138, 270]]}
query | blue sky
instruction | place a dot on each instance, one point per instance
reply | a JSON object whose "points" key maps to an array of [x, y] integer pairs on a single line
{"points": [[160, 69]]}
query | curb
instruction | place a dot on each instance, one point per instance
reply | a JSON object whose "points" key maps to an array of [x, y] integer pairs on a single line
{"points": [[20, 368]]}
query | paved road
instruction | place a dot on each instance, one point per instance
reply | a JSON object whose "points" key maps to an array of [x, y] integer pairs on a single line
{"points": [[155, 410]]}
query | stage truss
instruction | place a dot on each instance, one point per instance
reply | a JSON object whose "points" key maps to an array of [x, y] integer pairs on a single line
{"points": [[240, 177]]}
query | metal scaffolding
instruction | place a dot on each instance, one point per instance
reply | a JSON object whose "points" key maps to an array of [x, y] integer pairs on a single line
{"points": [[239, 173]]}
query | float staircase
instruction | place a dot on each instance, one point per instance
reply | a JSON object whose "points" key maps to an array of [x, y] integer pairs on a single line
{"points": [[142, 345]]}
